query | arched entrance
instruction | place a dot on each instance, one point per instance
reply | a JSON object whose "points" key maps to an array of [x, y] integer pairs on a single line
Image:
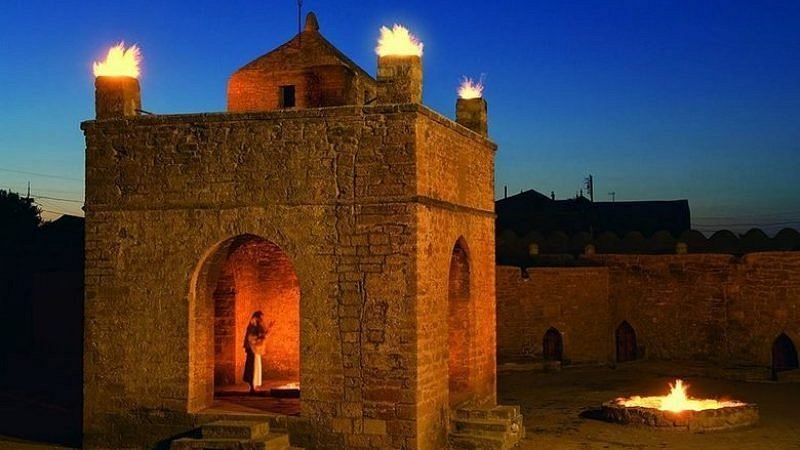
{"points": [[458, 325], [626, 342], [552, 345], [243, 275], [784, 354]]}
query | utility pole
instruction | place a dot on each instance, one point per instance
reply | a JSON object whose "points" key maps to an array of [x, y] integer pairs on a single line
{"points": [[299, 21], [589, 183]]}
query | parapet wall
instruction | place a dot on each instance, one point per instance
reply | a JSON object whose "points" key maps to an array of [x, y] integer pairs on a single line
{"points": [[709, 307]]}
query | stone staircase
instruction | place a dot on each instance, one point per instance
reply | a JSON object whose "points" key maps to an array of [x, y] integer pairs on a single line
{"points": [[495, 428], [235, 435]]}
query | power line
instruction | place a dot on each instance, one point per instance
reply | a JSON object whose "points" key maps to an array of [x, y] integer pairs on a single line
{"points": [[37, 174]]}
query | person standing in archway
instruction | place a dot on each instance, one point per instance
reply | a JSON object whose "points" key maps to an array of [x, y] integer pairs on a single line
{"points": [[254, 340]]}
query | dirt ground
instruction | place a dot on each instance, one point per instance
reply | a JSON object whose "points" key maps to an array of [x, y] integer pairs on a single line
{"points": [[552, 403]]}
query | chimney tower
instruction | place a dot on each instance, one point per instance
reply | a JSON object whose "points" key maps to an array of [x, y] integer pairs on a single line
{"points": [[116, 96]]}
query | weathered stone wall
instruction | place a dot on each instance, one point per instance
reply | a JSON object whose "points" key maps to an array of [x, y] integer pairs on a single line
{"points": [[455, 178], [574, 301], [332, 85], [711, 307], [338, 190]]}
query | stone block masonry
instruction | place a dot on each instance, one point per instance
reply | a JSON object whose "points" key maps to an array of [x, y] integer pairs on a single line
{"points": [[367, 203], [707, 307]]}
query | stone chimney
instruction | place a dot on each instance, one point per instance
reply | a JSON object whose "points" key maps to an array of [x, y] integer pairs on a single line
{"points": [[472, 113], [399, 79], [117, 96]]}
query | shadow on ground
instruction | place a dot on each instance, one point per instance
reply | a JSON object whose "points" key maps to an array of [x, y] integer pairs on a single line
{"points": [[41, 398]]}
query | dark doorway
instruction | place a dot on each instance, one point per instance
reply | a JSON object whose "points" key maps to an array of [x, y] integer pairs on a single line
{"points": [[784, 354], [626, 343], [552, 345]]}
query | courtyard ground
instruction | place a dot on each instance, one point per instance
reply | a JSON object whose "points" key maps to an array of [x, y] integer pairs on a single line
{"points": [[552, 404]]}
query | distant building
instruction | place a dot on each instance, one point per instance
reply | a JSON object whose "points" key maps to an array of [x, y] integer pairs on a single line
{"points": [[531, 211]]}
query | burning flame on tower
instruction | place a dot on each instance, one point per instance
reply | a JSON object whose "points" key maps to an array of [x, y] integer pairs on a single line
{"points": [[470, 88], [119, 62], [398, 41]]}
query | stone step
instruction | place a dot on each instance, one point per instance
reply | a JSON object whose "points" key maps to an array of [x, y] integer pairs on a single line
{"points": [[235, 429], [498, 412], [482, 426], [272, 441], [472, 441]]}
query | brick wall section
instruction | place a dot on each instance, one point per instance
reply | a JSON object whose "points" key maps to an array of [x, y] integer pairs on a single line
{"points": [[572, 300], [711, 307], [321, 74], [675, 303], [337, 190], [455, 179], [265, 280]]}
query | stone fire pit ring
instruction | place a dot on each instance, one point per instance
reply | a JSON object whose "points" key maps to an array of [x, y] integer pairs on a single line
{"points": [[728, 418]]}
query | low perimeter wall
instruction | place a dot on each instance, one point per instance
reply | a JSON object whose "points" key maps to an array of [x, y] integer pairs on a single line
{"points": [[707, 307]]}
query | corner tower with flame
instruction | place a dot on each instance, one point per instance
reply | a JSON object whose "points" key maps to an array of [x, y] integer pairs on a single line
{"points": [[471, 108], [399, 66], [117, 92]]}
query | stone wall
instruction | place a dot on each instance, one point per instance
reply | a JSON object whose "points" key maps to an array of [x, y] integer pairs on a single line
{"points": [[709, 307], [343, 193], [455, 179], [574, 301]]}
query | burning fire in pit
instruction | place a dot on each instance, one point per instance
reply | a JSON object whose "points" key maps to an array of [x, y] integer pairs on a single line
{"points": [[470, 88], [676, 401], [398, 41], [119, 62], [679, 411]]}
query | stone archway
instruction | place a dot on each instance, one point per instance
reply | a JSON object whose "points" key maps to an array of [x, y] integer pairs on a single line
{"points": [[784, 354], [459, 322], [552, 345], [627, 349], [241, 275]]}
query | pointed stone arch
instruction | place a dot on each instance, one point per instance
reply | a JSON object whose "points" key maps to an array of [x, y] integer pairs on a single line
{"points": [[459, 324], [552, 345], [784, 354], [626, 345], [235, 278]]}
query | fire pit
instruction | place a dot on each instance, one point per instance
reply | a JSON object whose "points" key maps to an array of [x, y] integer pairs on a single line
{"points": [[290, 390], [677, 411]]}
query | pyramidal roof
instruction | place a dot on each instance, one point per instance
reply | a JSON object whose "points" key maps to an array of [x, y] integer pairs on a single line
{"points": [[307, 49]]}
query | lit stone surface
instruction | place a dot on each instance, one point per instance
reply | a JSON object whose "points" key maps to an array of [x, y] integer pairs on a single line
{"points": [[366, 202]]}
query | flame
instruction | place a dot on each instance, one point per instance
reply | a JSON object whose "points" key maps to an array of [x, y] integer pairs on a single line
{"points": [[676, 401], [470, 88], [119, 62], [399, 42]]}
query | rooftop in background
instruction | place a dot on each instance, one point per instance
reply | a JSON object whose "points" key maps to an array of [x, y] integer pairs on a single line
{"points": [[533, 211]]}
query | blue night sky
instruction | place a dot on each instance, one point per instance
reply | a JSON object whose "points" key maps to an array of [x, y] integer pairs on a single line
{"points": [[656, 99]]}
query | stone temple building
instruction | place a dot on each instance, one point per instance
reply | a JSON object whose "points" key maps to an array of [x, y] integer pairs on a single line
{"points": [[358, 220]]}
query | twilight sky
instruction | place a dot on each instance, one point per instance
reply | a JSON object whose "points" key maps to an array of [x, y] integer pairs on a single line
{"points": [[657, 99]]}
